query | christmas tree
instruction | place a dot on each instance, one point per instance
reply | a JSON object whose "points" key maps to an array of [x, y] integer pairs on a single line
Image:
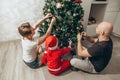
{"points": [[69, 14]]}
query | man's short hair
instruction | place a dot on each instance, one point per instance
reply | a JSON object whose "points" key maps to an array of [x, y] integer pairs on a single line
{"points": [[24, 29]]}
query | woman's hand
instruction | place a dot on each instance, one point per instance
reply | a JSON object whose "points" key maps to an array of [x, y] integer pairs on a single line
{"points": [[48, 15], [53, 20]]}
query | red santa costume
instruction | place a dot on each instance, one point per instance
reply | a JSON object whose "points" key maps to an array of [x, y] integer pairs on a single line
{"points": [[52, 56]]}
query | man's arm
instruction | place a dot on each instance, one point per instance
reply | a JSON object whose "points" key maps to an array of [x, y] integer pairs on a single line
{"points": [[42, 39], [90, 39], [80, 50], [42, 20]]}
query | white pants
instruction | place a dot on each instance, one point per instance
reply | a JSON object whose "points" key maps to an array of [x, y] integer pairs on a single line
{"points": [[84, 65]]}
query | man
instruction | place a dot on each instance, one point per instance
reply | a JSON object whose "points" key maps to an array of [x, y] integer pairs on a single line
{"points": [[98, 55]]}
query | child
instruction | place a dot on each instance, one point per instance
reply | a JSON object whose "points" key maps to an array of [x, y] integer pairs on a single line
{"points": [[52, 57], [29, 45]]}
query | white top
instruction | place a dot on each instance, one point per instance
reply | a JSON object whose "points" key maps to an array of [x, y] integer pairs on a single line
{"points": [[29, 47]]}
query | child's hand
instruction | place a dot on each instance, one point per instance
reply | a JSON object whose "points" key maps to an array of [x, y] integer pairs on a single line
{"points": [[70, 43], [48, 15], [53, 20]]}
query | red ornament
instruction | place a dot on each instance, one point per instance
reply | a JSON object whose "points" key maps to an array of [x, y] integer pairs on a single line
{"points": [[77, 1]]}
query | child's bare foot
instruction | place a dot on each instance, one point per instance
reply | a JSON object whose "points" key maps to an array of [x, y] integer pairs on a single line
{"points": [[40, 56]]}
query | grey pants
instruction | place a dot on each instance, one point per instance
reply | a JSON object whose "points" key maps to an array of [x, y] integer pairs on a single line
{"points": [[84, 65]]}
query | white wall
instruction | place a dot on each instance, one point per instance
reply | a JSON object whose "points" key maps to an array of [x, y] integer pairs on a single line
{"points": [[86, 4], [112, 10], [15, 12]]}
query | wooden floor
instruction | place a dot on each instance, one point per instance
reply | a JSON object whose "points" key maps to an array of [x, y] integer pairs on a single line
{"points": [[13, 68], [15, 12]]}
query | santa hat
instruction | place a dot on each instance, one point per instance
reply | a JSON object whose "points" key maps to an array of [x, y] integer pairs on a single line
{"points": [[51, 42]]}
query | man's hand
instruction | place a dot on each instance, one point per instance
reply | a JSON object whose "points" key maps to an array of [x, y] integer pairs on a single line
{"points": [[79, 36], [53, 20], [48, 15], [84, 34]]}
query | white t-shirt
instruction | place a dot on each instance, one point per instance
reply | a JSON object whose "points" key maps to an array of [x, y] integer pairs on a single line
{"points": [[29, 53]]}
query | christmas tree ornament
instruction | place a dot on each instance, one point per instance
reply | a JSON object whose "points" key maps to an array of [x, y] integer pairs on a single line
{"points": [[43, 24], [54, 35], [63, 30], [48, 20], [69, 39], [77, 28], [53, 3], [58, 27], [74, 14], [69, 14], [71, 30], [66, 34], [58, 5], [48, 4], [48, 10]]}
